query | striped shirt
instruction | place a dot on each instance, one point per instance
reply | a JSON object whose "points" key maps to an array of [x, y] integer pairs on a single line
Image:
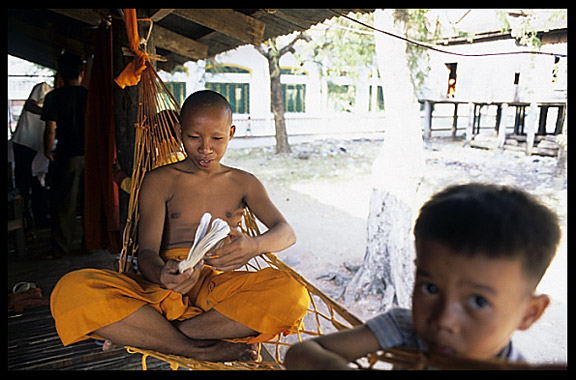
{"points": [[394, 328]]}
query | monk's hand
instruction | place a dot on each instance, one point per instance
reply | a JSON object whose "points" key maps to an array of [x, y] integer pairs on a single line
{"points": [[182, 283], [237, 250]]}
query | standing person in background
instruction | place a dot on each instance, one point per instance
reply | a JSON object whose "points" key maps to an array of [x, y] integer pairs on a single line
{"points": [[27, 141], [41, 189], [64, 114]]}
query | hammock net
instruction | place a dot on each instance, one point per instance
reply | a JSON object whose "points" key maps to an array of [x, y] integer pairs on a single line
{"points": [[156, 144]]}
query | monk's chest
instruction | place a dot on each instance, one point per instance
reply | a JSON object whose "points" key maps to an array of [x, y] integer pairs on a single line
{"points": [[222, 199]]}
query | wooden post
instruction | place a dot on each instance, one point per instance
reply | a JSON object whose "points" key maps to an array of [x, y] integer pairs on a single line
{"points": [[518, 119], [428, 109], [477, 118], [498, 117], [470, 126], [455, 121], [543, 120], [531, 127], [560, 120], [501, 127], [560, 172]]}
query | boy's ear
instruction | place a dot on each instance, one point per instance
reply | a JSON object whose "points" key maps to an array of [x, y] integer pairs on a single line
{"points": [[536, 307], [232, 131], [177, 129]]}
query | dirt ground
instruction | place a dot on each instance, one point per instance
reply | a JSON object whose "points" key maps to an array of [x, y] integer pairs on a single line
{"points": [[323, 188]]}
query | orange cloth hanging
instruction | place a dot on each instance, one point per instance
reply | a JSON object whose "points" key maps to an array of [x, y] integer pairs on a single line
{"points": [[130, 76]]}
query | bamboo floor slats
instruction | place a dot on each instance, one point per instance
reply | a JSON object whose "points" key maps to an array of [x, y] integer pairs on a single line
{"points": [[33, 344]]}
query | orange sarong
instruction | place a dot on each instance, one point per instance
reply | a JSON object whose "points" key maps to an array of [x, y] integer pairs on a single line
{"points": [[268, 301]]}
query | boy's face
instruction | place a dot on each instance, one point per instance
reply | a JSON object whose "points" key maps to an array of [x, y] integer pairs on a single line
{"points": [[470, 306], [205, 134]]}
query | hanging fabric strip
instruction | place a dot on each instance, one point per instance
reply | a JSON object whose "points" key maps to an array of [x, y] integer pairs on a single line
{"points": [[130, 76]]}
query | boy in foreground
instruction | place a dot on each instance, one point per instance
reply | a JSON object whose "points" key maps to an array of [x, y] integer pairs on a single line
{"points": [[481, 250], [190, 313]]}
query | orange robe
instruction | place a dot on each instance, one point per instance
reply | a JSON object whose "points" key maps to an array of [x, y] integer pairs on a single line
{"points": [[268, 301]]}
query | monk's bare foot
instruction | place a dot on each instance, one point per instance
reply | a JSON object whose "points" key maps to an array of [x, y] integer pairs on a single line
{"points": [[220, 351], [250, 354], [109, 345], [212, 350]]}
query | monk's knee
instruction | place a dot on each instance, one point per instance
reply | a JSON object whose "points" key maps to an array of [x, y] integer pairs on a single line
{"points": [[294, 293], [74, 285]]}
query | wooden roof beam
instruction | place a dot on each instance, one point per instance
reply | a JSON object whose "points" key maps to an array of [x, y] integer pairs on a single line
{"points": [[42, 40], [177, 43], [164, 38], [88, 16], [227, 21], [159, 14]]}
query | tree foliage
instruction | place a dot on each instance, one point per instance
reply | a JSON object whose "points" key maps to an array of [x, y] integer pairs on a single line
{"points": [[342, 48], [346, 48], [417, 26]]}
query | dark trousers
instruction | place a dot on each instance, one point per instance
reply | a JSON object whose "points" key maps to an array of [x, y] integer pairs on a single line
{"points": [[67, 198], [23, 157], [40, 202]]}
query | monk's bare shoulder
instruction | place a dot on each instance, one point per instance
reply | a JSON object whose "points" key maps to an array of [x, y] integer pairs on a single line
{"points": [[162, 172], [169, 170], [161, 179], [242, 177]]}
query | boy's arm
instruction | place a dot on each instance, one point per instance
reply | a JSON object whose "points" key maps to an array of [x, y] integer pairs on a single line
{"points": [[49, 137], [31, 105], [280, 234], [150, 228], [332, 351], [278, 237]]}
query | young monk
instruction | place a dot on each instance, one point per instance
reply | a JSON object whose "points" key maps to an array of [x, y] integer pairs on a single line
{"points": [[190, 313], [481, 250]]}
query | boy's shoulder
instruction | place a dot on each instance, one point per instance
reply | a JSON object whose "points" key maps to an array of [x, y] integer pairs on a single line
{"points": [[178, 168], [163, 170], [164, 174], [395, 328], [241, 177], [240, 173]]}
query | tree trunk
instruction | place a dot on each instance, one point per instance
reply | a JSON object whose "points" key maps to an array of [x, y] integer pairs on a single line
{"points": [[388, 267], [277, 101], [273, 55], [560, 172]]}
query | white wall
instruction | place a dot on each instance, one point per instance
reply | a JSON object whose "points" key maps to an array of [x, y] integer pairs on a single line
{"points": [[491, 78], [318, 118]]}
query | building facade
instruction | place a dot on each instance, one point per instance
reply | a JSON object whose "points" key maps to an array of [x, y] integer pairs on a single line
{"points": [[313, 103]]}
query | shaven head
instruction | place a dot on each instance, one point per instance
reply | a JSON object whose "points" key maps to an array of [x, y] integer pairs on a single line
{"points": [[495, 221], [206, 99]]}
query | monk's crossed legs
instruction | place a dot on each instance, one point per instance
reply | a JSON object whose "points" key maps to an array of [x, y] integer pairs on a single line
{"points": [[198, 337]]}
